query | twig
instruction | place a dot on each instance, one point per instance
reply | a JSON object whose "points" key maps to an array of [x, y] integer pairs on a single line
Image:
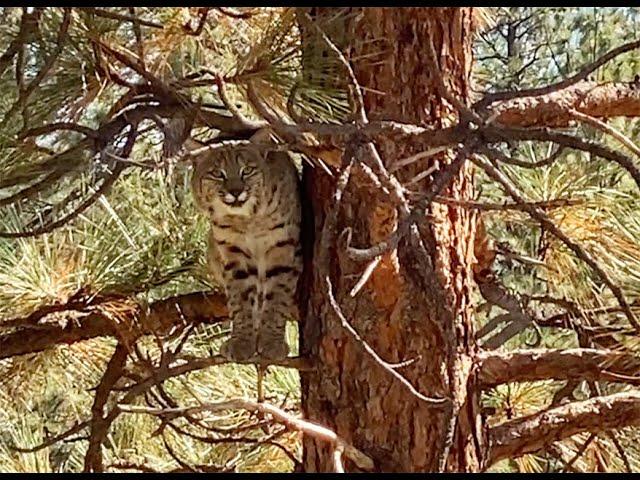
{"points": [[546, 222], [490, 207], [99, 427], [582, 74], [119, 16], [356, 89], [466, 114], [347, 326], [233, 13], [579, 453], [362, 460], [44, 71], [204, 13], [106, 184], [28, 25], [621, 453], [52, 127], [418, 213], [599, 124], [53, 440], [493, 134], [365, 276], [545, 162]]}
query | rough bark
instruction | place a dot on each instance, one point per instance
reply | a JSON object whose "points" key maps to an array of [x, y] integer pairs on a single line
{"points": [[404, 311], [71, 326], [558, 364], [535, 432], [554, 109]]}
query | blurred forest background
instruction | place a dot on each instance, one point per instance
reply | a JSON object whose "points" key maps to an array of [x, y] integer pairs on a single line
{"points": [[144, 238]]}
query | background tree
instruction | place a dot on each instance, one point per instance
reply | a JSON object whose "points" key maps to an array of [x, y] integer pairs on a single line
{"points": [[417, 329]]}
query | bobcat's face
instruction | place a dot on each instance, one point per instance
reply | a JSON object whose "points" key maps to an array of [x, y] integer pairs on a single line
{"points": [[229, 179]]}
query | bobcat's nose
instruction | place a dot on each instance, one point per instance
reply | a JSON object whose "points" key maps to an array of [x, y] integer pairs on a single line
{"points": [[235, 196], [236, 191]]}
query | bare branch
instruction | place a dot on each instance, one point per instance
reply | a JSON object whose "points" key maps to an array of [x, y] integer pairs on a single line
{"points": [[493, 134], [385, 365], [546, 222], [600, 125], [99, 427], [362, 460], [581, 75]]}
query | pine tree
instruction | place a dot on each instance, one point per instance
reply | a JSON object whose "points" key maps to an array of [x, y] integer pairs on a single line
{"points": [[469, 300]]}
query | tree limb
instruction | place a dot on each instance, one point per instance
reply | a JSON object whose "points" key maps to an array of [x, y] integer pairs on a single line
{"points": [[619, 99], [557, 364], [534, 432], [161, 316]]}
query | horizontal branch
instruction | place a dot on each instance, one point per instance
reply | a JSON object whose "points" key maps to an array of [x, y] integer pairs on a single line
{"points": [[554, 109], [557, 364], [534, 432], [161, 316]]}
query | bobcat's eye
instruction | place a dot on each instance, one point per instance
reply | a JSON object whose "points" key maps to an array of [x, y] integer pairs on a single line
{"points": [[217, 175], [247, 171]]}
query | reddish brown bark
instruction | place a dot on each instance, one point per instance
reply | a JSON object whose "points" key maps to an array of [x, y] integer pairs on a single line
{"points": [[561, 364], [553, 110], [400, 313], [71, 326], [534, 432]]}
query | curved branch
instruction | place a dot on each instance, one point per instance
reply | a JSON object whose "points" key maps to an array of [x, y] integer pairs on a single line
{"points": [[546, 222], [534, 432], [581, 75]]}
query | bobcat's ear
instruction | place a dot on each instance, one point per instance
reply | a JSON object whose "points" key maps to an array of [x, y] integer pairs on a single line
{"points": [[263, 135], [190, 144]]}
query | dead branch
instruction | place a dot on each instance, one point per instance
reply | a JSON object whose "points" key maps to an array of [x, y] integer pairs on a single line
{"points": [[545, 221], [99, 428], [385, 365], [493, 134], [362, 460], [582, 74], [608, 129]]}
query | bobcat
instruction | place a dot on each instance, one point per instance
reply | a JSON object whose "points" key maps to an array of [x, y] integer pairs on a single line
{"points": [[251, 196]]}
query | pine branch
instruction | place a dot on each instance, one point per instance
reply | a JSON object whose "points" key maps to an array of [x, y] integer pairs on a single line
{"points": [[533, 433], [581, 75], [557, 364], [161, 317]]}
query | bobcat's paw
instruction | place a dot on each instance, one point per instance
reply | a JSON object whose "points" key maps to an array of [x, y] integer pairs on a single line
{"points": [[274, 350], [238, 349]]}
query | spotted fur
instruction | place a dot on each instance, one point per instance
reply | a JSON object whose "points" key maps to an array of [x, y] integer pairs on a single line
{"points": [[252, 199]]}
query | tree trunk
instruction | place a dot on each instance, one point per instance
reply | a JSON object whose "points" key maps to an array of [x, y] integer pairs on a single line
{"points": [[416, 305]]}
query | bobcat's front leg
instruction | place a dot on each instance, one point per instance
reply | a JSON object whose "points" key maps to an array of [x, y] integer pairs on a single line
{"points": [[241, 303], [279, 306]]}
